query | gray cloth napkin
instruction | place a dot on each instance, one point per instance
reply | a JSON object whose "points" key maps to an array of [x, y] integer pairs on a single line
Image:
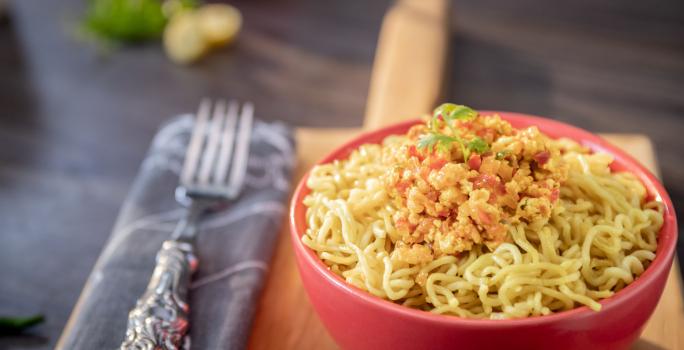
{"points": [[234, 246]]}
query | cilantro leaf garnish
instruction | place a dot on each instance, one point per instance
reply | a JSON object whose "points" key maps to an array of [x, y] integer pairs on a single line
{"points": [[433, 140], [450, 112], [478, 145], [447, 114]]}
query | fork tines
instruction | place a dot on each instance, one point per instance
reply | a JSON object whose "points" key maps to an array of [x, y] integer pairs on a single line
{"points": [[219, 145]]}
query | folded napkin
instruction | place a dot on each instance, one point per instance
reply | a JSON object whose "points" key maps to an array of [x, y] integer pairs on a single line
{"points": [[234, 246]]}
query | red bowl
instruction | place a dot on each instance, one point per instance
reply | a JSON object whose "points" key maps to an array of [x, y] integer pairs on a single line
{"points": [[359, 320]]}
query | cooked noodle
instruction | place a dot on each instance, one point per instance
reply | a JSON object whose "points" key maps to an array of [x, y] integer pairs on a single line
{"points": [[601, 235]]}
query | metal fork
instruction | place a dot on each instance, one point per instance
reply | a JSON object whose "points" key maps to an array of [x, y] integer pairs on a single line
{"points": [[213, 173]]}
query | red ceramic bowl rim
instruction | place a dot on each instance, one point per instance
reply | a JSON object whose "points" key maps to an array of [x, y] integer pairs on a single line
{"points": [[667, 236]]}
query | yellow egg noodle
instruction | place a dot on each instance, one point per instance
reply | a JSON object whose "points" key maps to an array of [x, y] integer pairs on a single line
{"points": [[600, 237]]}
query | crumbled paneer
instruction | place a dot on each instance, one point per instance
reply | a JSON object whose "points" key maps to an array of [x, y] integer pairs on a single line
{"points": [[449, 204]]}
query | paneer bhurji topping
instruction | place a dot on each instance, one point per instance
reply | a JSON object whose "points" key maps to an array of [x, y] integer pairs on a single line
{"points": [[461, 178]]}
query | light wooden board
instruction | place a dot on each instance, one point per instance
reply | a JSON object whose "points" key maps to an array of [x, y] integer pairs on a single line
{"points": [[409, 68]]}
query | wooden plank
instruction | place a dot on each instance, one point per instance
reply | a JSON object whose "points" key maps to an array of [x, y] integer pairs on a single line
{"points": [[409, 68], [285, 319]]}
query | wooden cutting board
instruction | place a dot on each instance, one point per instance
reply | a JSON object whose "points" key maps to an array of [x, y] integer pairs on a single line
{"points": [[406, 82]]}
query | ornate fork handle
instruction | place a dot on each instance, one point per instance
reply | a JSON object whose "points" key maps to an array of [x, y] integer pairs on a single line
{"points": [[160, 317]]}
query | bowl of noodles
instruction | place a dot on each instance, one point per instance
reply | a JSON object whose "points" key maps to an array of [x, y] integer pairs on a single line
{"points": [[482, 229]]}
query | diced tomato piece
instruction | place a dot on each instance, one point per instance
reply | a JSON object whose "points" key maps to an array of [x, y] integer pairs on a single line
{"points": [[403, 223], [475, 161], [486, 181], [402, 186], [542, 157], [484, 217], [554, 194], [443, 213], [436, 164], [490, 182], [487, 134], [413, 152], [501, 189], [492, 198]]}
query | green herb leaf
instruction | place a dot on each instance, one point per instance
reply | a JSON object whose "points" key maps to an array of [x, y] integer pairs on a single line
{"points": [[447, 113], [427, 141], [444, 145], [450, 112], [478, 145], [13, 325], [434, 140]]}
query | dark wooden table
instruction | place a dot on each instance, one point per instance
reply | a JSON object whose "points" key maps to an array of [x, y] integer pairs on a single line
{"points": [[74, 125]]}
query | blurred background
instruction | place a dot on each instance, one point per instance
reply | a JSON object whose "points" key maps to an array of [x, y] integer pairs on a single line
{"points": [[76, 116]]}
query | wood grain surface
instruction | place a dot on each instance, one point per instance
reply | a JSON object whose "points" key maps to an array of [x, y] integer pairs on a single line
{"points": [[409, 68]]}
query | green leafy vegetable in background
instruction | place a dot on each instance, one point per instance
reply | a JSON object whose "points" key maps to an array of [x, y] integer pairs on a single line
{"points": [[447, 114], [13, 325], [130, 20]]}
